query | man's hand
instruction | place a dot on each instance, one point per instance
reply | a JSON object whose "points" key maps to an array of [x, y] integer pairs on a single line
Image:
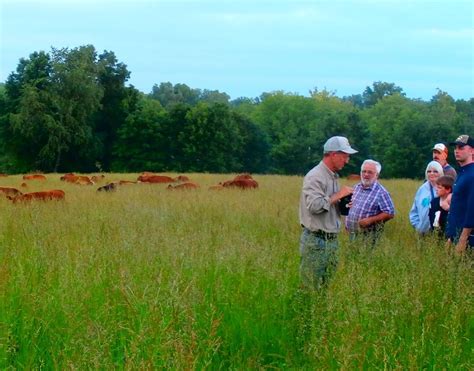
{"points": [[343, 192], [461, 247]]}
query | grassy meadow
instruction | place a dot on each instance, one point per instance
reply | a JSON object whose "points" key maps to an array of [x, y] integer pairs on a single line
{"points": [[147, 278]]}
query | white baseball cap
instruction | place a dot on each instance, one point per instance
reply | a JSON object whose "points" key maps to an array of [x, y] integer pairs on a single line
{"points": [[440, 147], [338, 144]]}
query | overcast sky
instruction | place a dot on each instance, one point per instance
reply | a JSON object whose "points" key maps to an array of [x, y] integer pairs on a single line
{"points": [[245, 48]]}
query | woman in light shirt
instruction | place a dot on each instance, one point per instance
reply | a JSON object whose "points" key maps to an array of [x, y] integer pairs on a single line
{"points": [[419, 213]]}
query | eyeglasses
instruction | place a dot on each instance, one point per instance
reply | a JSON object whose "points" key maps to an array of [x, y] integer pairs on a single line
{"points": [[432, 171]]}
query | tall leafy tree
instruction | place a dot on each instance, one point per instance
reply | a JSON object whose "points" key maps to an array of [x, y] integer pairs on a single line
{"points": [[168, 94], [211, 140], [379, 90], [117, 103], [53, 99], [286, 119], [139, 139], [400, 139]]}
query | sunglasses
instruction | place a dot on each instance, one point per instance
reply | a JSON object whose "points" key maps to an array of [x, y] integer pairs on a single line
{"points": [[432, 171]]}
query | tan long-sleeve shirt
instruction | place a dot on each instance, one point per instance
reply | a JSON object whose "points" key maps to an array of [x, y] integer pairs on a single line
{"points": [[316, 211]]}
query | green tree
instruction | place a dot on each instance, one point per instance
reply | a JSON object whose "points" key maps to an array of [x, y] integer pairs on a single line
{"points": [[139, 138], [168, 94], [117, 103], [286, 120], [52, 101], [211, 140], [401, 137], [379, 90]]}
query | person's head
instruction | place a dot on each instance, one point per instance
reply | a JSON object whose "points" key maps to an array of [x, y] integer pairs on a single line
{"points": [[369, 172], [464, 149], [337, 151], [444, 185], [433, 171], [440, 153]]}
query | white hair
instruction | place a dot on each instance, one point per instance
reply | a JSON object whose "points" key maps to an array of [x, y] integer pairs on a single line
{"points": [[378, 166], [436, 166]]}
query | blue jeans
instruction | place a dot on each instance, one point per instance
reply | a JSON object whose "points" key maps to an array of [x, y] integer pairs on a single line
{"points": [[318, 259]]}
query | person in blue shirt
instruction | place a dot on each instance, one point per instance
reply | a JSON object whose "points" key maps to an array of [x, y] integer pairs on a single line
{"points": [[419, 212], [461, 213]]}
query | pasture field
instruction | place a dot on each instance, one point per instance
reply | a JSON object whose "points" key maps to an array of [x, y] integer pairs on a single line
{"points": [[147, 278]]}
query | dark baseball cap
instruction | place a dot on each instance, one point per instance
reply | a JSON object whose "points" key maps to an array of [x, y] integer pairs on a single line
{"points": [[463, 140]]}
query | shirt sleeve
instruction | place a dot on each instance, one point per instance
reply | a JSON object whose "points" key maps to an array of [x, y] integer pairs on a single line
{"points": [[316, 199], [386, 203], [469, 217]]}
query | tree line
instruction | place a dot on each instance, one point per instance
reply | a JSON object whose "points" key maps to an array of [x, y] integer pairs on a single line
{"points": [[72, 110]]}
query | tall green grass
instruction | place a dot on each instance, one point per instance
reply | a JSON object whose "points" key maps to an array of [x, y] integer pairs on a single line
{"points": [[147, 278]]}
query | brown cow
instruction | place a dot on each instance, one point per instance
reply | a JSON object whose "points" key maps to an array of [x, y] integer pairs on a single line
{"points": [[155, 179], [187, 185], [34, 177], [243, 176], [241, 183], [77, 179], [10, 191], [3, 175], [97, 178], [55, 194]]}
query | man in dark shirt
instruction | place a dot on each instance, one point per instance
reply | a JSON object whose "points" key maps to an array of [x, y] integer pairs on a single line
{"points": [[461, 213]]}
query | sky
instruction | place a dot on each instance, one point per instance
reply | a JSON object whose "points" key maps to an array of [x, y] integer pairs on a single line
{"points": [[247, 47]]}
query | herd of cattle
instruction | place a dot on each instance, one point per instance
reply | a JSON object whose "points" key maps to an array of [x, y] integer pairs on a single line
{"points": [[241, 181]]}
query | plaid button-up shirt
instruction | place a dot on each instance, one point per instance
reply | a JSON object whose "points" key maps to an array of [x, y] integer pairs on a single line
{"points": [[367, 202]]}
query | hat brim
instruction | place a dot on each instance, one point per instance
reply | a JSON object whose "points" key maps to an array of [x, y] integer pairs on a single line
{"points": [[350, 151], [458, 144]]}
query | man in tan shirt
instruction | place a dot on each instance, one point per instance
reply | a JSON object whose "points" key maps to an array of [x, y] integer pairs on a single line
{"points": [[319, 213]]}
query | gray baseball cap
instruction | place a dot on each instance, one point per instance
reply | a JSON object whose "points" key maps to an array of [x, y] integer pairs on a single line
{"points": [[338, 144]]}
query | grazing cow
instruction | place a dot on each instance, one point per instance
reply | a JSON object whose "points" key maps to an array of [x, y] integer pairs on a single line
{"points": [[108, 187], [353, 177], [243, 176], [55, 194], [181, 178], [187, 185], [10, 191], [83, 180], [3, 175], [34, 177], [155, 179], [97, 178], [241, 183], [77, 179]]}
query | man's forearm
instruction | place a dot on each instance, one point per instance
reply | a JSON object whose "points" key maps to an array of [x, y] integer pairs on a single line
{"points": [[463, 238], [382, 217]]}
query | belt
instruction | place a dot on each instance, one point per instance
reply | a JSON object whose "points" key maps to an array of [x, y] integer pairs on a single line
{"points": [[323, 235]]}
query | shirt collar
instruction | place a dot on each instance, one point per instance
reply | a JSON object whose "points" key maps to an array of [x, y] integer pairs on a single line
{"points": [[329, 171]]}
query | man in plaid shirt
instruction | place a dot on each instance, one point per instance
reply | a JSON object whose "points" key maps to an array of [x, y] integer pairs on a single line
{"points": [[371, 205]]}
